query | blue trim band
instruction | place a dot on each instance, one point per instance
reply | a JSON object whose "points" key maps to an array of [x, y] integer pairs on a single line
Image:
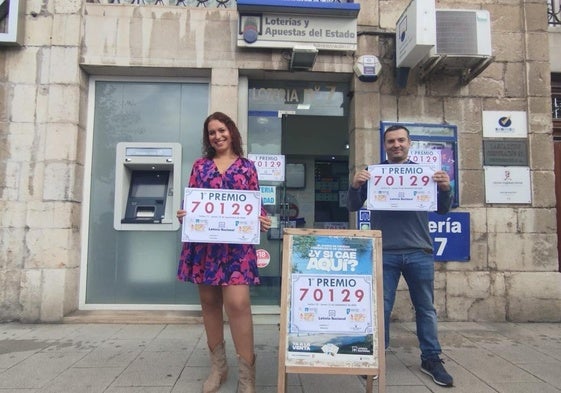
{"points": [[349, 10]]}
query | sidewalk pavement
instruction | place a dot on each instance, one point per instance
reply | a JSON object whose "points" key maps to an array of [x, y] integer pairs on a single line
{"points": [[172, 358]]}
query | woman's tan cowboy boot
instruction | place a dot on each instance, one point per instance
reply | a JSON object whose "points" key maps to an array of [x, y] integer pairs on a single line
{"points": [[246, 381], [218, 371]]}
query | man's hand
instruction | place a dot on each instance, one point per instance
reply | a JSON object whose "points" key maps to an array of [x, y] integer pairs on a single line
{"points": [[442, 180], [360, 178]]}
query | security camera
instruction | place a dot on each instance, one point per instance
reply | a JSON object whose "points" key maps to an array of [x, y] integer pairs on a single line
{"points": [[367, 68]]}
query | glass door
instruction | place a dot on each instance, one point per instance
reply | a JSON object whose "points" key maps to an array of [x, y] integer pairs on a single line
{"points": [[313, 194], [264, 137], [304, 122]]}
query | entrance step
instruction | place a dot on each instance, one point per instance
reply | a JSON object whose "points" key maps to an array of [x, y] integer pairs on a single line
{"points": [[152, 317], [134, 316]]}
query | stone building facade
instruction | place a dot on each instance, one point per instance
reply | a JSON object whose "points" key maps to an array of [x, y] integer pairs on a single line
{"points": [[513, 273]]}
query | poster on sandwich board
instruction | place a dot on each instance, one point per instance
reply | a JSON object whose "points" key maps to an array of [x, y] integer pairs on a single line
{"points": [[332, 318]]}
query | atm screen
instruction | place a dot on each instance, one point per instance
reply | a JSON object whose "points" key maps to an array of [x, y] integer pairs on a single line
{"points": [[149, 184], [149, 191]]}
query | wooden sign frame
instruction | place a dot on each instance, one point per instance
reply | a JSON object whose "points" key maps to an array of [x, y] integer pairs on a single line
{"points": [[332, 307]]}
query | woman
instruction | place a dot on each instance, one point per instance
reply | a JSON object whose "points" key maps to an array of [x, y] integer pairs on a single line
{"points": [[224, 272]]}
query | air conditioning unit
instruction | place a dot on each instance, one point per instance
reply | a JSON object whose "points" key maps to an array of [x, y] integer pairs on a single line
{"points": [[463, 44], [464, 35]]}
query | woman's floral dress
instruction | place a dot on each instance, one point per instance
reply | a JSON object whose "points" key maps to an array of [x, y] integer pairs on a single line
{"points": [[220, 263]]}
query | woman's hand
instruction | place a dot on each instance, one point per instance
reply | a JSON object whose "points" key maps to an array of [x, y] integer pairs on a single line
{"points": [[180, 214], [265, 223]]}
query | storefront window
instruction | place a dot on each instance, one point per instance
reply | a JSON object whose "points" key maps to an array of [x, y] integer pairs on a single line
{"points": [[299, 98]]}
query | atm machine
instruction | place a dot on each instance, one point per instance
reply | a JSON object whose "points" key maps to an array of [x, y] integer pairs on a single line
{"points": [[147, 186]]}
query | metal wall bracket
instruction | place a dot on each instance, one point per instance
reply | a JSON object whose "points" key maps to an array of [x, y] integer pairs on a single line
{"points": [[466, 67]]}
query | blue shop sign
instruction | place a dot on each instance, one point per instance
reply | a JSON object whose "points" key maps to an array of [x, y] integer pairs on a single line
{"points": [[451, 236], [305, 27]]}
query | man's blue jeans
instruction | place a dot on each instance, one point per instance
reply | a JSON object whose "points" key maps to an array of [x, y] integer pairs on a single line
{"points": [[418, 270]]}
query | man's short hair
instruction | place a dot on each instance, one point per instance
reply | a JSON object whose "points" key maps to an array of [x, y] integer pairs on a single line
{"points": [[396, 127]]}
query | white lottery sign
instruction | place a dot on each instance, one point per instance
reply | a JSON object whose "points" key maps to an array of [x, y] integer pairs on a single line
{"points": [[221, 216], [270, 167], [431, 157], [331, 303], [401, 187]]}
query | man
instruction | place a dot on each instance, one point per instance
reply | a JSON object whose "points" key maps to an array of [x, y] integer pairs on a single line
{"points": [[407, 250]]}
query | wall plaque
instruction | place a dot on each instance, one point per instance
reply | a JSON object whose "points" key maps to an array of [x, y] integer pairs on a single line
{"points": [[505, 152]]}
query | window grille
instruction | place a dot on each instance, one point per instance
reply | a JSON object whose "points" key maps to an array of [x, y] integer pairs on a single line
{"points": [[554, 12], [556, 104], [199, 3], [556, 107]]}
